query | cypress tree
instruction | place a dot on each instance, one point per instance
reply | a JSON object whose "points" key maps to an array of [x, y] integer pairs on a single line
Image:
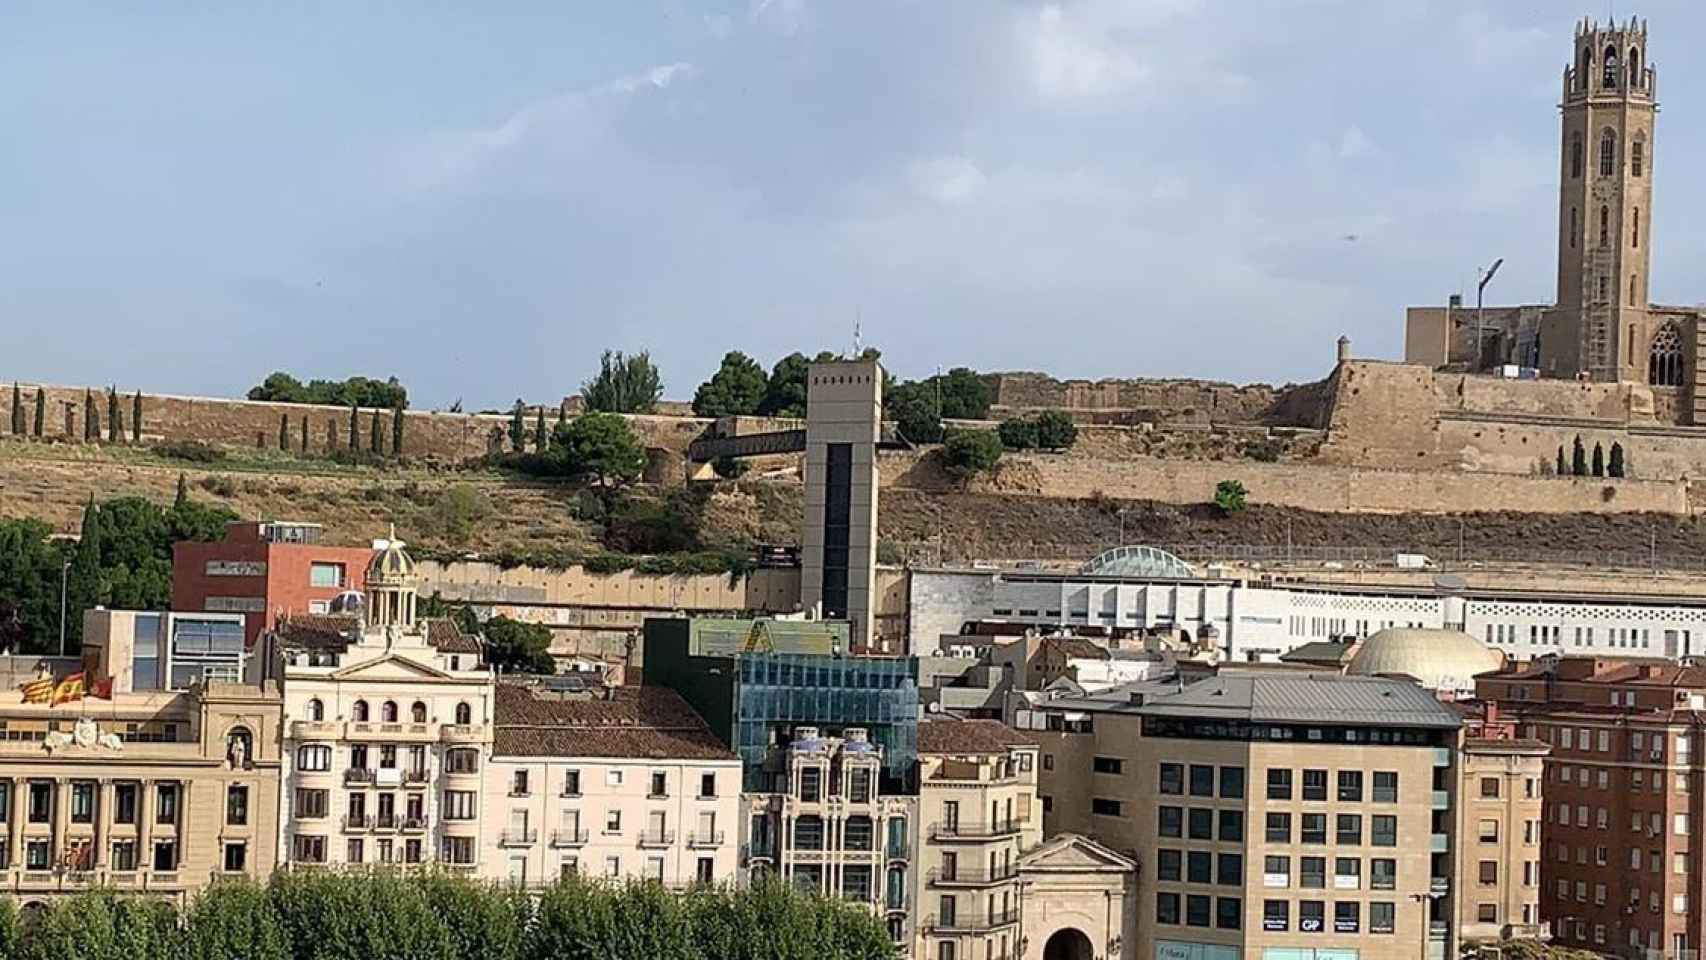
{"points": [[562, 415], [375, 443], [284, 432], [17, 409], [183, 497], [1616, 467], [91, 418], [1598, 460], [517, 429], [539, 442], [115, 426], [1562, 472], [136, 417], [354, 428], [397, 430], [1578, 459], [41, 411]]}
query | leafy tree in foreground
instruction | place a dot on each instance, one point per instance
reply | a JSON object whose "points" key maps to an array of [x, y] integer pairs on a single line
{"points": [[1019, 433], [736, 389], [624, 384], [516, 647], [234, 920], [600, 448]]}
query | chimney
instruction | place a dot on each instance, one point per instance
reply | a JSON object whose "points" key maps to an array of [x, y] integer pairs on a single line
{"points": [[1492, 713]]}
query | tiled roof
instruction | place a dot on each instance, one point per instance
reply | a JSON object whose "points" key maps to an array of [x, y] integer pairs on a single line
{"points": [[446, 637], [1637, 671], [1314, 698], [969, 736], [318, 631], [635, 722]]}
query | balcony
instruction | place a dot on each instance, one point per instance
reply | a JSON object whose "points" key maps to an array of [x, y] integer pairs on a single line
{"points": [[1439, 843], [569, 838], [657, 838], [414, 824], [462, 733], [1525, 931], [966, 831], [357, 821], [758, 851], [417, 777], [1441, 800], [1442, 756], [705, 841], [385, 821], [1439, 886], [972, 922], [358, 775], [518, 837], [971, 878], [313, 730]]}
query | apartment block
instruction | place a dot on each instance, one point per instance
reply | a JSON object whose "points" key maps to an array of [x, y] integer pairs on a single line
{"points": [[1499, 810], [387, 731], [618, 784], [1620, 870], [264, 571]]}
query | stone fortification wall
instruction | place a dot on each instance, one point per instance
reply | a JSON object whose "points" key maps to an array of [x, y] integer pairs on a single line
{"points": [[246, 424], [1318, 487]]}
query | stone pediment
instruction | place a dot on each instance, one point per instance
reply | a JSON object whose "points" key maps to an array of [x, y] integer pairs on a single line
{"points": [[1071, 852], [390, 667]]}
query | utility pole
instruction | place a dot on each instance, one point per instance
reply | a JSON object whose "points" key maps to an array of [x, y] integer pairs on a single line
{"points": [[1480, 316]]}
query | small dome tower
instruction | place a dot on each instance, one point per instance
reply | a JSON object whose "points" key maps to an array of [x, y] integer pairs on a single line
{"points": [[391, 585]]}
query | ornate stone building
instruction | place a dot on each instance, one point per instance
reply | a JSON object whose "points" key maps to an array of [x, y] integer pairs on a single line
{"points": [[1603, 325]]}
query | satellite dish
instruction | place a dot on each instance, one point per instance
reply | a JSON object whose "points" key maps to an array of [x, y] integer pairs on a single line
{"points": [[1450, 583]]}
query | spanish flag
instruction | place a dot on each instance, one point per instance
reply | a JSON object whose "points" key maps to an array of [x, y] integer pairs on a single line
{"points": [[69, 689], [39, 690]]}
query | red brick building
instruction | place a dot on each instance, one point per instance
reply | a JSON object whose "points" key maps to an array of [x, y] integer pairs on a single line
{"points": [[265, 570], [1620, 870]]}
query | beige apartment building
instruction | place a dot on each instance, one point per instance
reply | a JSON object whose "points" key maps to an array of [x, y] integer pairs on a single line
{"points": [[1499, 810], [1276, 815], [625, 783], [155, 791], [387, 731]]}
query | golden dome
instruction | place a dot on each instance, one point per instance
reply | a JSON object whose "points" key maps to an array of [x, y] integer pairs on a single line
{"points": [[1446, 660]]}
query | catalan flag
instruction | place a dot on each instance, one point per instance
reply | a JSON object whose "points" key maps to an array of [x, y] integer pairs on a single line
{"points": [[39, 690], [69, 689]]}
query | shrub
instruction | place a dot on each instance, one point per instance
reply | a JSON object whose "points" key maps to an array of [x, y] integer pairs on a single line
{"points": [[730, 468], [1018, 434], [1229, 496], [1055, 430], [967, 453], [192, 451]]}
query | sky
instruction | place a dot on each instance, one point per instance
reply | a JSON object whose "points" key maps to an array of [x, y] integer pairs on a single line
{"points": [[480, 198]]}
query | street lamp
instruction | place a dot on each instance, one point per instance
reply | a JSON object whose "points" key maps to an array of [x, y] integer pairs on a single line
{"points": [[64, 571], [1481, 288]]}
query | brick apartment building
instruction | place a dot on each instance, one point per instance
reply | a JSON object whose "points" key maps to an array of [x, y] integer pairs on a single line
{"points": [[264, 570], [1620, 870]]}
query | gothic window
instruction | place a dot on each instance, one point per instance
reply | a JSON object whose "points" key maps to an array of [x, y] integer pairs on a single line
{"points": [[1576, 155], [1664, 358], [1608, 153], [1604, 225], [1585, 68], [1610, 68], [1573, 228], [1637, 157], [1635, 68], [1635, 234]]}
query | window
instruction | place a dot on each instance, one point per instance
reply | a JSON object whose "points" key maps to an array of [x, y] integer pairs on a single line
{"points": [[1604, 240], [314, 758], [1168, 864], [1231, 825], [124, 803], [1637, 157], [1574, 227], [1385, 786], [328, 575], [388, 712], [1576, 155], [1382, 874], [1232, 783], [1664, 369], [1382, 917], [166, 803], [165, 855], [311, 804], [707, 785], [518, 784], [1202, 781], [1314, 828], [1112, 765], [1489, 788], [1200, 824], [811, 784], [660, 785], [1276, 916], [1279, 784], [1608, 153], [613, 821], [316, 709], [1489, 872], [459, 804], [1314, 784], [1384, 831], [464, 714], [1488, 831], [1228, 912], [1103, 807], [1229, 869], [1311, 916], [1276, 871], [358, 712], [1167, 908], [1199, 867], [1635, 241], [236, 857], [1170, 821], [82, 802], [1279, 828], [1350, 786], [462, 760], [306, 849], [1347, 916], [1347, 873], [1349, 829], [1196, 910], [237, 805], [1172, 777], [1312, 872]]}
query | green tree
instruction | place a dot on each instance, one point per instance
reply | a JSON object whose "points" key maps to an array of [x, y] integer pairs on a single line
{"points": [[736, 389], [234, 920], [624, 384], [457, 511], [17, 409], [600, 448], [481, 921], [913, 406], [354, 392], [1230, 496], [967, 453], [11, 932], [965, 396], [102, 925], [515, 647], [136, 417], [729, 468], [30, 568], [1018, 433], [785, 391], [115, 429], [354, 428], [41, 411], [1579, 459], [1561, 469], [284, 432], [1598, 460], [375, 440], [540, 440], [1616, 467], [91, 418], [1055, 430]]}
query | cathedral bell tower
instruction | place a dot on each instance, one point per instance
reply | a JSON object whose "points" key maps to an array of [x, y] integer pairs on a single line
{"points": [[1604, 208]]}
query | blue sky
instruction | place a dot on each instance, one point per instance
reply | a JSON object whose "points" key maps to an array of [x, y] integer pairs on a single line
{"points": [[479, 198]]}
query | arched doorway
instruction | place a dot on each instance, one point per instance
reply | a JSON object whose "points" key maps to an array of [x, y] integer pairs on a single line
{"points": [[1068, 944]]}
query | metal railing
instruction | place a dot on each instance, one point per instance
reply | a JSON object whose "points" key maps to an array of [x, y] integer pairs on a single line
{"points": [[519, 837], [358, 775], [657, 838], [569, 838], [357, 821], [972, 922], [712, 839], [974, 830], [963, 877]]}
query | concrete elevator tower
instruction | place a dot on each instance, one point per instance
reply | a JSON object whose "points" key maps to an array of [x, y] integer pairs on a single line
{"points": [[844, 419]]}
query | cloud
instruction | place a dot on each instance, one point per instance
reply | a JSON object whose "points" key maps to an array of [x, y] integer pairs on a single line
{"points": [[1072, 62], [946, 179], [1355, 145]]}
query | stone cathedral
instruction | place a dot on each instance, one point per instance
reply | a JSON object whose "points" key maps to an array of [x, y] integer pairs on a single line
{"points": [[1602, 326]]}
